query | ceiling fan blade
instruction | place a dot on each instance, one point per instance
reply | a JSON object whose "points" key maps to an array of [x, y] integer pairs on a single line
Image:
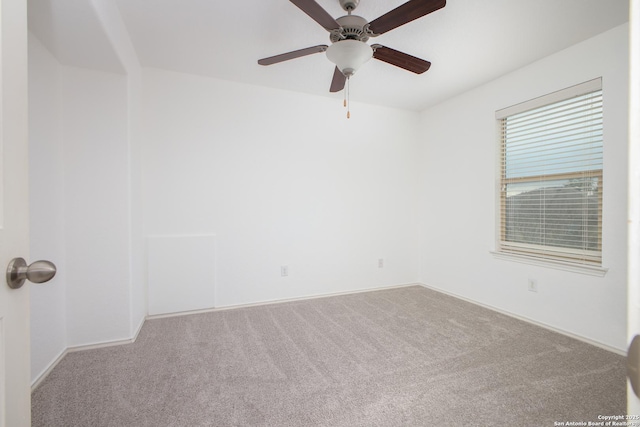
{"points": [[338, 81], [317, 13], [292, 55], [413, 9], [400, 59]]}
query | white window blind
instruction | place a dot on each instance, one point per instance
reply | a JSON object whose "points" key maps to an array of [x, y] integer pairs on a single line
{"points": [[551, 177]]}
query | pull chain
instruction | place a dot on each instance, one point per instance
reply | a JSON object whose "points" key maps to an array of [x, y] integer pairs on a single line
{"points": [[348, 100]]}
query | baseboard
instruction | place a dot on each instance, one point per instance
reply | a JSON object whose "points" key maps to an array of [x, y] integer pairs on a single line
{"points": [[138, 329], [38, 380], [103, 344], [41, 377], [531, 321], [279, 301]]}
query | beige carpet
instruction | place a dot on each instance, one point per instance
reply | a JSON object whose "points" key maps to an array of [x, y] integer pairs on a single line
{"points": [[401, 357]]}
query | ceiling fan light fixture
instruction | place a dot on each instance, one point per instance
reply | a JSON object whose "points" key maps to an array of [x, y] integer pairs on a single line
{"points": [[349, 55]]}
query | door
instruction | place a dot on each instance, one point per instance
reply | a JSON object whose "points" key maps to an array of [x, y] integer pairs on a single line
{"points": [[633, 313], [15, 394]]}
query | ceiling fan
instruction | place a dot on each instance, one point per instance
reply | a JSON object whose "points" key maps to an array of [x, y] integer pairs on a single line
{"points": [[349, 34]]}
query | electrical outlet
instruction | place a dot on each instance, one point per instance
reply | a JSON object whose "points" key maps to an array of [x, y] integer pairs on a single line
{"points": [[380, 263], [284, 270], [532, 285]]}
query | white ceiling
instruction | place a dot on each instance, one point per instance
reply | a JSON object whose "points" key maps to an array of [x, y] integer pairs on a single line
{"points": [[469, 42]]}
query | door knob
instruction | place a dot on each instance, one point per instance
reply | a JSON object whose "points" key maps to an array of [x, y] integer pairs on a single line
{"points": [[37, 272]]}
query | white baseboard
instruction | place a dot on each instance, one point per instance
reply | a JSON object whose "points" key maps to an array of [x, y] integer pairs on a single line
{"points": [[38, 380], [102, 344], [531, 321], [279, 301], [40, 377]]}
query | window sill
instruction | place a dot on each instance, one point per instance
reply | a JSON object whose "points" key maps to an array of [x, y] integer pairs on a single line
{"points": [[558, 265]]}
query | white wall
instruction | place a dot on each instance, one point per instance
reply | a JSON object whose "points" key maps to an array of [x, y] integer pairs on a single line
{"points": [[80, 212], [458, 197], [96, 182], [47, 214], [85, 195], [137, 242], [116, 32], [281, 179]]}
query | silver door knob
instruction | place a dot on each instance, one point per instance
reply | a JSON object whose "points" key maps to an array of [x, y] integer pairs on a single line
{"points": [[37, 272]]}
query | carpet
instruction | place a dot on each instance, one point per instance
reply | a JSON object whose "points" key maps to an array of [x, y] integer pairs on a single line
{"points": [[399, 357]]}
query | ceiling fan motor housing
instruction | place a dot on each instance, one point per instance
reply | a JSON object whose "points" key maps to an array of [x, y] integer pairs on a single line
{"points": [[351, 28]]}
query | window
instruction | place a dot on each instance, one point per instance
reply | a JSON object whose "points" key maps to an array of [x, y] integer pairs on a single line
{"points": [[551, 178]]}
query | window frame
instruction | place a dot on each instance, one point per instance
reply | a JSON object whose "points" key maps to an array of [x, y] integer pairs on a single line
{"points": [[570, 259]]}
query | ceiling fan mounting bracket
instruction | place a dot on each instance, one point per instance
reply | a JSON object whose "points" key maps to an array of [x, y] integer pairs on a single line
{"points": [[367, 30], [349, 5]]}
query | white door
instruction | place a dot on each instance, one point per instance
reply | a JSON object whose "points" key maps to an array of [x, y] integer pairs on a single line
{"points": [[633, 313], [15, 395]]}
